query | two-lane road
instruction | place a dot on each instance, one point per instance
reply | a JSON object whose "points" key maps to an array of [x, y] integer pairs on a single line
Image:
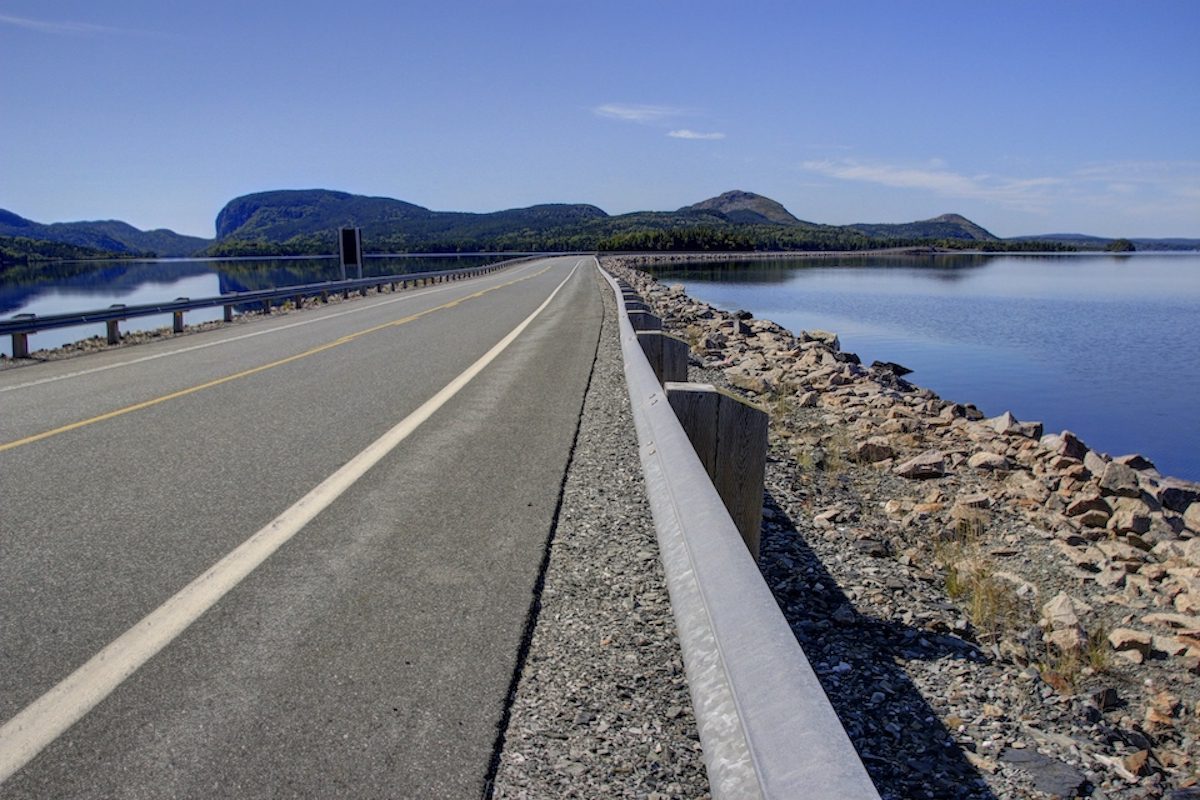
{"points": [[288, 558]]}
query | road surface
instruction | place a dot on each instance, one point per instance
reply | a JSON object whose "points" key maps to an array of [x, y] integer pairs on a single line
{"points": [[292, 557]]}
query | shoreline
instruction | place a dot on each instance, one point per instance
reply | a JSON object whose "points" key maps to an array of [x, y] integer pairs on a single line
{"points": [[1056, 590]]}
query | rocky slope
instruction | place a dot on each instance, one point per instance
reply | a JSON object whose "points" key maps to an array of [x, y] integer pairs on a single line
{"points": [[994, 612]]}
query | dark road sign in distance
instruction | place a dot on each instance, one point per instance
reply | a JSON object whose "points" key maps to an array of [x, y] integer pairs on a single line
{"points": [[350, 248]]}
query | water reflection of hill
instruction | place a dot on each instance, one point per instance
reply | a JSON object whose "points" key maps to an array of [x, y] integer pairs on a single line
{"points": [[109, 281], [940, 267], [103, 278], [254, 274]]}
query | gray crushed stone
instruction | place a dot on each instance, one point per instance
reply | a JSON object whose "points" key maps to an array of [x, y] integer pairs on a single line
{"points": [[602, 708]]}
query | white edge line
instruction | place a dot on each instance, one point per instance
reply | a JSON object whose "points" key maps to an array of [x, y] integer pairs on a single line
{"points": [[48, 717], [229, 340]]}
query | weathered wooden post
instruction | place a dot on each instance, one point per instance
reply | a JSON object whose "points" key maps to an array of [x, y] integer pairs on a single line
{"points": [[114, 326], [730, 437], [177, 317], [644, 321], [20, 341], [667, 355], [637, 305]]}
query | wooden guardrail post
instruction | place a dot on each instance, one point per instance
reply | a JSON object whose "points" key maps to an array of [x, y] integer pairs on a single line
{"points": [[644, 321], [228, 316], [114, 326], [667, 355], [177, 317], [20, 341], [637, 305], [730, 437]]}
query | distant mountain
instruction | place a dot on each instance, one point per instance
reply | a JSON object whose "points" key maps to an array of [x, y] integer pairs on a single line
{"points": [[21, 251], [1083, 240], [282, 215], [110, 235], [947, 226], [747, 208], [304, 222], [279, 215]]}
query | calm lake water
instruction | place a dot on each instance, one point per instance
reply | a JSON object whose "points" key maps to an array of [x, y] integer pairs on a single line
{"points": [[1105, 346], [88, 286]]}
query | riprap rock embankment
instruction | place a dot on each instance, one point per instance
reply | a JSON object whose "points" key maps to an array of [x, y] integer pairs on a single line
{"points": [[994, 611]]}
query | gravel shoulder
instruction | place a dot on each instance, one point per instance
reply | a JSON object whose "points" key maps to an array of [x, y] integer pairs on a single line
{"points": [[602, 707]]}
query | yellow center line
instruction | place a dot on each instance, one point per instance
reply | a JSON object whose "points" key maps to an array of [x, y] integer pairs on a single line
{"points": [[37, 437]]}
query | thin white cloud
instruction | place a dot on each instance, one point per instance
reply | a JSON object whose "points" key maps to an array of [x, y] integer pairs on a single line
{"points": [[1154, 193], [1152, 190], [59, 28], [638, 113], [684, 133], [1027, 193]]}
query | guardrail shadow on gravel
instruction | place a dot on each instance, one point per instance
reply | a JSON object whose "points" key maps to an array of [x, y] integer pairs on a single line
{"points": [[900, 738]]}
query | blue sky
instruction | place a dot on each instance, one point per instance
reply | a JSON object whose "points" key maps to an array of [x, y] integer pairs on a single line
{"points": [[1027, 117]]}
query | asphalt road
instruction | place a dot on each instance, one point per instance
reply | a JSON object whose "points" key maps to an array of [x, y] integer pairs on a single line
{"points": [[370, 654]]}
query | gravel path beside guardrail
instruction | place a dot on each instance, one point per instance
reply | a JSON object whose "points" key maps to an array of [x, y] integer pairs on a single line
{"points": [[602, 708]]}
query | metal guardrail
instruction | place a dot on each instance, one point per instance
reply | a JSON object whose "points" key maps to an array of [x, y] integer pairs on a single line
{"points": [[767, 729], [21, 325]]}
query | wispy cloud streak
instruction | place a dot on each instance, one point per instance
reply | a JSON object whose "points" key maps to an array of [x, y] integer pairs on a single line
{"points": [[65, 28], [1028, 193], [638, 113], [684, 133], [1149, 191]]}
